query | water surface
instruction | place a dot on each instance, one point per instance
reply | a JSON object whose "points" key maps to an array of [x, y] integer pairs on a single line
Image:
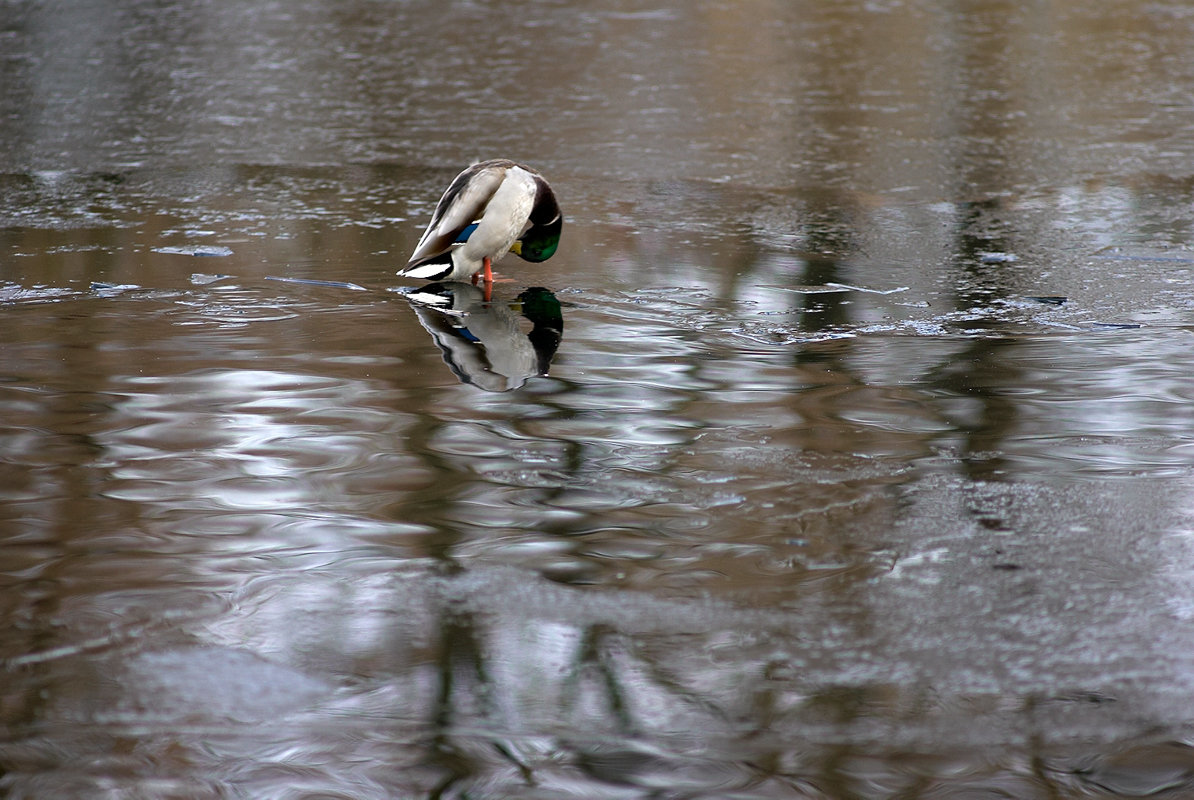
{"points": [[843, 450]]}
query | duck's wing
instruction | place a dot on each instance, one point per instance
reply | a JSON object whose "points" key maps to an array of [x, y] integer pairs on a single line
{"points": [[462, 204]]}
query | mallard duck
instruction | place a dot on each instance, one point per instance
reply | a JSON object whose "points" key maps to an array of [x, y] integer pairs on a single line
{"points": [[491, 208]]}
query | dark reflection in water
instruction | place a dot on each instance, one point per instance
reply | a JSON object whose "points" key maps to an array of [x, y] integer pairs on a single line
{"points": [[863, 471]]}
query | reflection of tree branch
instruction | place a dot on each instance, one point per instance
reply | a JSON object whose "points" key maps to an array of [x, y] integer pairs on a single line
{"points": [[459, 653], [595, 651], [525, 771], [673, 685], [457, 646], [591, 652], [981, 373], [1036, 750], [461, 657]]}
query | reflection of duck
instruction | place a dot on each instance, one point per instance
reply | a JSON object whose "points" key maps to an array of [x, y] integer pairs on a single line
{"points": [[482, 342], [489, 209]]}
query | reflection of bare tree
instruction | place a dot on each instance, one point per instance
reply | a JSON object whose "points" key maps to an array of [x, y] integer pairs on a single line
{"points": [[465, 693], [603, 695], [983, 371], [981, 374], [631, 705], [593, 655]]}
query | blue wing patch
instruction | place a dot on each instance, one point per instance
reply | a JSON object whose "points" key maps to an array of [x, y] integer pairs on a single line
{"points": [[464, 234]]}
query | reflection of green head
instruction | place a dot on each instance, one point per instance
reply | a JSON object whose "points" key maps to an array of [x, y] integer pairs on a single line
{"points": [[542, 308], [540, 242]]}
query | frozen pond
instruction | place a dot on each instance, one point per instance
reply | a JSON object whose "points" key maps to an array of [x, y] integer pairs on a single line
{"points": [[862, 466]]}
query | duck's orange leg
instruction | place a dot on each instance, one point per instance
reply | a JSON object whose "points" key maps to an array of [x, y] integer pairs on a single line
{"points": [[487, 275], [486, 272], [488, 278]]}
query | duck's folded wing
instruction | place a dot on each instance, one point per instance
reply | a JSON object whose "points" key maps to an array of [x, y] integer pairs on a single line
{"points": [[461, 205]]}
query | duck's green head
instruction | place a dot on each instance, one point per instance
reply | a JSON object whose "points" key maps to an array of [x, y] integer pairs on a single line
{"points": [[539, 243]]}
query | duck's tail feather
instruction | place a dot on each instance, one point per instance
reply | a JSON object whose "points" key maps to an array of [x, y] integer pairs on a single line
{"points": [[427, 270]]}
